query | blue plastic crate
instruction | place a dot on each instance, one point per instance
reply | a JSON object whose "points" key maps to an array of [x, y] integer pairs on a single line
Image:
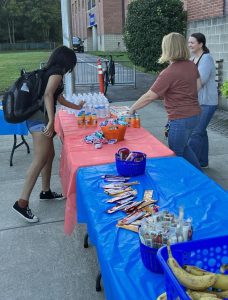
{"points": [[149, 258], [131, 168], [208, 254]]}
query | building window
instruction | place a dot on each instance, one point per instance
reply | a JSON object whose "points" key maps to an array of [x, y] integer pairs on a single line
{"points": [[91, 4]]}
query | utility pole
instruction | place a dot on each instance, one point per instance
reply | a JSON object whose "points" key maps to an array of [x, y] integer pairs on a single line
{"points": [[67, 41]]}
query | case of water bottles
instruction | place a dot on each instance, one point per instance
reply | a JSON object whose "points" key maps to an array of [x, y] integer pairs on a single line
{"points": [[95, 104]]}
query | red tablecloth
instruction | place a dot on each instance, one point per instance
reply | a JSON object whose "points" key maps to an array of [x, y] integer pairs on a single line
{"points": [[76, 153]]}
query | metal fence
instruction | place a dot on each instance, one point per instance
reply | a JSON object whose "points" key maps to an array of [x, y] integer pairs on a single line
{"points": [[86, 73], [27, 46]]}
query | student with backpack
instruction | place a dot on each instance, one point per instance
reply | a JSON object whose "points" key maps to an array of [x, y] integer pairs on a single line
{"points": [[41, 126]]}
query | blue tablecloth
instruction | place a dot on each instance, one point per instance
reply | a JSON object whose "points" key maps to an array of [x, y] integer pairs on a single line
{"points": [[175, 183], [10, 129]]}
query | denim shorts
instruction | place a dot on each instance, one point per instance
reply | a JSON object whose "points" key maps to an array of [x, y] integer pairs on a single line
{"points": [[35, 125]]}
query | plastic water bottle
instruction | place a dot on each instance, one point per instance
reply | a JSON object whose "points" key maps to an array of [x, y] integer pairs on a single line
{"points": [[107, 110], [102, 109], [89, 107], [98, 108]]}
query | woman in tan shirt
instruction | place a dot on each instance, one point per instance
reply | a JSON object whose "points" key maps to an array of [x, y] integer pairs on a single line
{"points": [[177, 85]]}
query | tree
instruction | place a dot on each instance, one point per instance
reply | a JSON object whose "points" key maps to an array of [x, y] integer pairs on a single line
{"points": [[147, 22], [30, 20], [10, 12], [46, 17]]}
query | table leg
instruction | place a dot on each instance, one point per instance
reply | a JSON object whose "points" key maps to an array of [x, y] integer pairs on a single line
{"points": [[15, 146], [98, 282], [26, 144], [98, 278]]}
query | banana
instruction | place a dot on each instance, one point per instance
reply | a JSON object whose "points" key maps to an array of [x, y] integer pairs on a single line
{"points": [[162, 297], [201, 295], [220, 295], [208, 298], [197, 295], [194, 270], [223, 294], [193, 282], [221, 282]]}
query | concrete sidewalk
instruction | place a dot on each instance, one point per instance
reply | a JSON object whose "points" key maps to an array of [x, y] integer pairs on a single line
{"points": [[38, 261]]}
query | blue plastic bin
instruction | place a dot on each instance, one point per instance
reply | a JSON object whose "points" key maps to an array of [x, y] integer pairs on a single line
{"points": [[131, 168], [208, 254], [149, 258]]}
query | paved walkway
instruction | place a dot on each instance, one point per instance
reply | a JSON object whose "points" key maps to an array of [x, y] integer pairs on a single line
{"points": [[38, 261]]}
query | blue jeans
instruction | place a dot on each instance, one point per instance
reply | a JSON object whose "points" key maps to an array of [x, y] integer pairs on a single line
{"points": [[199, 139], [180, 131], [35, 125]]}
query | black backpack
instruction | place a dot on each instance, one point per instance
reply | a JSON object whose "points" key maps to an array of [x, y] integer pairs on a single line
{"points": [[24, 97]]}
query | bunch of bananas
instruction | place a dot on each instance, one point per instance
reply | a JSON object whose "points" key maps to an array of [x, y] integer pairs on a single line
{"points": [[197, 281]]}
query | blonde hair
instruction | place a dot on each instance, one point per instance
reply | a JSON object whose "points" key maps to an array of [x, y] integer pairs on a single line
{"points": [[174, 47]]}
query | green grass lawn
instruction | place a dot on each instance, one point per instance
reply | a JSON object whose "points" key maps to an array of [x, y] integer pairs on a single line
{"points": [[11, 62]]}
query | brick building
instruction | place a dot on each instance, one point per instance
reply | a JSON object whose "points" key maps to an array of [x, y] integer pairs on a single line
{"points": [[211, 18], [99, 23]]}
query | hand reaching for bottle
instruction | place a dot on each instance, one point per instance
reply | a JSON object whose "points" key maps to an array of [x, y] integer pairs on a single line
{"points": [[132, 111], [81, 104]]}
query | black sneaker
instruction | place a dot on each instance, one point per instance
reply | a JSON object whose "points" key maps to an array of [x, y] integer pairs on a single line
{"points": [[205, 166], [49, 195], [25, 213]]}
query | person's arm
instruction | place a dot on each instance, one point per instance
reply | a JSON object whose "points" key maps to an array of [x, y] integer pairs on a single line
{"points": [[144, 100], [69, 104], [199, 84], [52, 85], [205, 68]]}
